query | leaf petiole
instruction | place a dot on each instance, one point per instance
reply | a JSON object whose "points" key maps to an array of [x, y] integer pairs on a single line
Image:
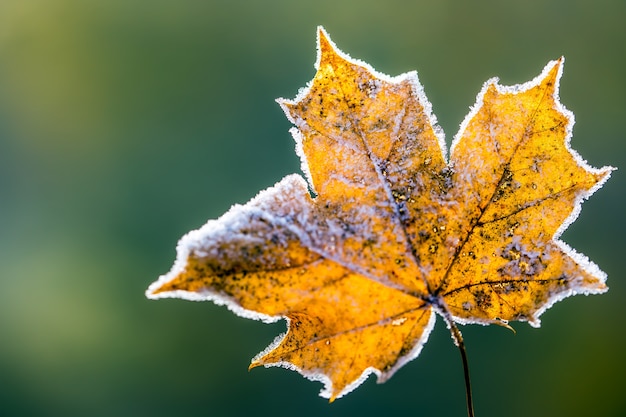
{"points": [[458, 340]]}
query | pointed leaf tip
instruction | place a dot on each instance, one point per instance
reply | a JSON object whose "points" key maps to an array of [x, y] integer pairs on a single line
{"points": [[325, 46], [154, 289], [322, 36], [158, 288], [553, 72]]}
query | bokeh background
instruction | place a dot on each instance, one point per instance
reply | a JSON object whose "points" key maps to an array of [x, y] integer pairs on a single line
{"points": [[126, 123]]}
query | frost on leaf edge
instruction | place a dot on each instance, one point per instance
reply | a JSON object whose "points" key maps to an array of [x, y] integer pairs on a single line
{"points": [[583, 261]]}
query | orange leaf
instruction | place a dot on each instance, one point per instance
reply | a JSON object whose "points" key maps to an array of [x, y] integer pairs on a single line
{"points": [[395, 232]]}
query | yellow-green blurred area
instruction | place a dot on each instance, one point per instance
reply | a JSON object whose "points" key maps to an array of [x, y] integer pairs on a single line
{"points": [[124, 124]]}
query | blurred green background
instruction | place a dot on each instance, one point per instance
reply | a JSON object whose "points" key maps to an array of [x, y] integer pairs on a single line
{"points": [[125, 124]]}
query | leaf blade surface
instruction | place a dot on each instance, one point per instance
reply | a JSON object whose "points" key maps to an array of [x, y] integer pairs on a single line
{"points": [[394, 231]]}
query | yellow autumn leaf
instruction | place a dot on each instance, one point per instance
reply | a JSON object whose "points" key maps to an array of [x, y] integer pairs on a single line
{"points": [[385, 231]]}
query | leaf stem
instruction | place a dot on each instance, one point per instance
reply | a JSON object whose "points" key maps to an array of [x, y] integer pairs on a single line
{"points": [[458, 339]]}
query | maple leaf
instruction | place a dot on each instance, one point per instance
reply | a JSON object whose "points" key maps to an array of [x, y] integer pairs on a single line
{"points": [[391, 232]]}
